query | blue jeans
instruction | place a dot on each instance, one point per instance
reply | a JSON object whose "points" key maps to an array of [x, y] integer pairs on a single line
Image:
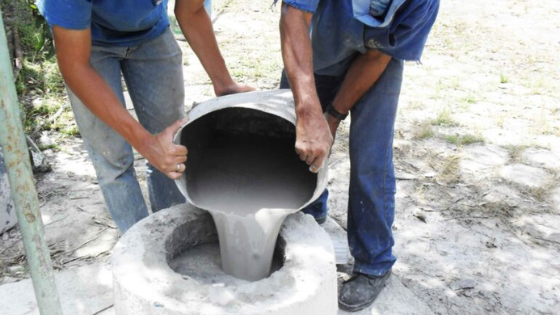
{"points": [[371, 202], [153, 74]]}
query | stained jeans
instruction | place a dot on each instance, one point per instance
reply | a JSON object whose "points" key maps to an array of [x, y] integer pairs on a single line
{"points": [[371, 202], [154, 77]]}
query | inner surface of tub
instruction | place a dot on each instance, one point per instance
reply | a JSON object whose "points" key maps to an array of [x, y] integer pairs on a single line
{"points": [[243, 169], [242, 160]]}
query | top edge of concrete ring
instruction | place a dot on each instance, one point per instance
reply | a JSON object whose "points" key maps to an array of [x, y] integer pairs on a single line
{"points": [[279, 103]]}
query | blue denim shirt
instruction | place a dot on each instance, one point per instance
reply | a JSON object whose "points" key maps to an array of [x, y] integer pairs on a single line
{"points": [[113, 23], [340, 28]]}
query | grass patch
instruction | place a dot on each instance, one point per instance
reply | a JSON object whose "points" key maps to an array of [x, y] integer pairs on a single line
{"points": [[424, 131], [444, 119], [516, 151], [542, 124], [504, 79], [54, 147], [460, 140], [39, 84], [469, 99], [42, 77], [437, 91], [449, 169], [70, 130]]}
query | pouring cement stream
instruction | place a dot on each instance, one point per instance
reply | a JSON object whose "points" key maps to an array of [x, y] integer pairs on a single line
{"points": [[243, 169]]}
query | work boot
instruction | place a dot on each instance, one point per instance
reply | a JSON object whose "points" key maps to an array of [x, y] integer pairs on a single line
{"points": [[360, 291]]}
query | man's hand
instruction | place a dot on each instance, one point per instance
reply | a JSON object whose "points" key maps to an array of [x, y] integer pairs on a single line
{"points": [[232, 88], [313, 139], [167, 157], [199, 33]]}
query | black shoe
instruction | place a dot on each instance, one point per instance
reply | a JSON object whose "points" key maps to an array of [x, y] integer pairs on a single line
{"points": [[360, 291]]}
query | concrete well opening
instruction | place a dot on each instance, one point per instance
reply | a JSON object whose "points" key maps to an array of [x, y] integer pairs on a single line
{"points": [[145, 282], [192, 250]]}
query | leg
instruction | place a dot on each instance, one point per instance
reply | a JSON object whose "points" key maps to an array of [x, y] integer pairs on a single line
{"points": [[327, 87], [371, 207], [154, 76], [110, 154], [371, 204]]}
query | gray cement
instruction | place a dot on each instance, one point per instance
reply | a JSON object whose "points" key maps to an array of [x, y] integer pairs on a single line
{"points": [[249, 185], [243, 169], [145, 283], [202, 263]]}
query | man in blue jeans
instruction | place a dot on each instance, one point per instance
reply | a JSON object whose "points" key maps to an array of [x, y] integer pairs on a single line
{"points": [[353, 63], [96, 42]]}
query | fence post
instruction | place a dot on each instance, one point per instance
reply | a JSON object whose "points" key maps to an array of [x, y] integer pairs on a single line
{"points": [[24, 194]]}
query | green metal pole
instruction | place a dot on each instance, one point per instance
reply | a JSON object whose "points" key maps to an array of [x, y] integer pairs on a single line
{"points": [[24, 194]]}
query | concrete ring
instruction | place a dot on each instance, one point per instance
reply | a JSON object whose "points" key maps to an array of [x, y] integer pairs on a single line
{"points": [[145, 284]]}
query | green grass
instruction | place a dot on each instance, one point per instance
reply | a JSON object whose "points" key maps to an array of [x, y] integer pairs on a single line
{"points": [[43, 77], [39, 84], [516, 151], [460, 140], [54, 147], [70, 130], [504, 79], [469, 99], [425, 131], [444, 119]]}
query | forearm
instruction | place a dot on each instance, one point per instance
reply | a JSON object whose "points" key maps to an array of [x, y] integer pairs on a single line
{"points": [[73, 49], [362, 75], [298, 59], [313, 139], [98, 97], [197, 28]]}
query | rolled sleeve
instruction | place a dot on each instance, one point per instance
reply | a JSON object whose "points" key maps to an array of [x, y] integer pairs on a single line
{"points": [[303, 5], [69, 14]]}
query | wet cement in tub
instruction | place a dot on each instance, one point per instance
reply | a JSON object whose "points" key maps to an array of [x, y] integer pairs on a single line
{"points": [[243, 169]]}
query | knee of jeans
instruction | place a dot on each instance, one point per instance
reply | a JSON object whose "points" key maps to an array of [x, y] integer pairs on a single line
{"points": [[110, 167]]}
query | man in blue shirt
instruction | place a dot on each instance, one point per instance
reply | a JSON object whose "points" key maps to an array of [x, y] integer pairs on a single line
{"points": [[97, 41], [353, 63]]}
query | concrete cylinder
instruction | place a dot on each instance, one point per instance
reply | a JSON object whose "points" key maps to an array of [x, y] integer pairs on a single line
{"points": [[144, 283]]}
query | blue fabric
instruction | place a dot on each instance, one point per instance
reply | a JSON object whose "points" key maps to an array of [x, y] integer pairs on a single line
{"points": [[318, 209], [340, 28], [113, 23], [154, 78], [339, 35], [371, 199]]}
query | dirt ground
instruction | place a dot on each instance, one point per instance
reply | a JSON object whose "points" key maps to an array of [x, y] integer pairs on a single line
{"points": [[477, 154]]}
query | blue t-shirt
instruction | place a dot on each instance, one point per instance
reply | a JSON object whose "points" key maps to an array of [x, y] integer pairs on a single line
{"points": [[340, 28], [112, 22]]}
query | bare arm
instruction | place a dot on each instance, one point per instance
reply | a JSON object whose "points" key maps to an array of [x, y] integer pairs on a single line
{"points": [[313, 139], [197, 28], [73, 48], [362, 75]]}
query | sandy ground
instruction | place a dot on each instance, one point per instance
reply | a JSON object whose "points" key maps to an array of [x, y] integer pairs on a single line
{"points": [[477, 153]]}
